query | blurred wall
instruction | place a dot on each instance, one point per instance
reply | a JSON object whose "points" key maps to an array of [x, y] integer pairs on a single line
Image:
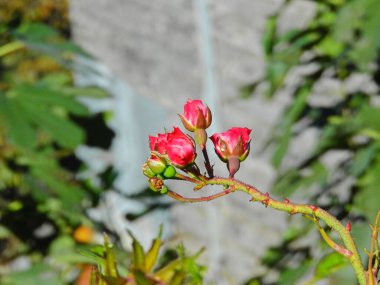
{"points": [[167, 51]]}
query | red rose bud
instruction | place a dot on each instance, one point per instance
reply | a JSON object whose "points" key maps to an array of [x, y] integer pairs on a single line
{"points": [[232, 147], [180, 148], [156, 164], [158, 143], [196, 115], [232, 143]]}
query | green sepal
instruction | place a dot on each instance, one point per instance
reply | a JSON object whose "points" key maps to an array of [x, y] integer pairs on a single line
{"points": [[164, 190]]}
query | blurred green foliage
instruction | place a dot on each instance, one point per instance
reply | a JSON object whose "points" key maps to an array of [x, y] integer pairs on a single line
{"points": [[146, 267], [42, 201], [340, 41]]}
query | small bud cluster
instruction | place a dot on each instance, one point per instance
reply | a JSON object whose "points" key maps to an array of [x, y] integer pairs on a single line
{"points": [[176, 150]]}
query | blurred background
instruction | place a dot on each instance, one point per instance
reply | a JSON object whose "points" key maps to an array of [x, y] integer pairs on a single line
{"points": [[83, 83]]}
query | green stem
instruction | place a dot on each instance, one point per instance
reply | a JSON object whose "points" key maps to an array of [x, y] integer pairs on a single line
{"points": [[289, 207], [10, 47], [186, 178]]}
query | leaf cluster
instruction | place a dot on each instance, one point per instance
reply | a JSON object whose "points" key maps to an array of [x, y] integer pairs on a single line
{"points": [[145, 267], [42, 200]]}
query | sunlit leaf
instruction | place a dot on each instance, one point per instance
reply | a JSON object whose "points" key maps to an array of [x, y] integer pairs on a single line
{"points": [[329, 264]]}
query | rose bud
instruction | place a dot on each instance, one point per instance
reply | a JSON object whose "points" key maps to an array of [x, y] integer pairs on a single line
{"points": [[196, 118], [158, 143], [169, 172], [156, 164], [232, 147], [147, 171], [196, 115], [180, 148]]}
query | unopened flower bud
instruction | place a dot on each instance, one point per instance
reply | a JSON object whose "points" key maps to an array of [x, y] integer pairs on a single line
{"points": [[232, 147], [234, 142], [180, 148], [196, 115], [169, 172], [156, 164], [156, 184], [147, 171]]}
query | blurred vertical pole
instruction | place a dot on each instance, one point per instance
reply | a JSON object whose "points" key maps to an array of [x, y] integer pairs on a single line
{"points": [[206, 54], [210, 96]]}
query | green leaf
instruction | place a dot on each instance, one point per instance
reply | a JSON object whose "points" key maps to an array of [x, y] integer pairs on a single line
{"points": [[367, 200], [92, 257], [110, 265], [142, 279], [178, 278], [363, 158], [138, 253], [63, 251], [328, 46], [36, 275], [92, 92], [285, 127], [329, 264], [347, 21], [44, 96], [247, 90], [62, 130], [369, 117], [18, 127], [152, 255], [35, 32], [54, 181], [56, 79], [269, 37]]}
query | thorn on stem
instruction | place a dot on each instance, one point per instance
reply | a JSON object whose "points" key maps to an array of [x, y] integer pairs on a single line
{"points": [[267, 200], [286, 201], [348, 226], [313, 208]]}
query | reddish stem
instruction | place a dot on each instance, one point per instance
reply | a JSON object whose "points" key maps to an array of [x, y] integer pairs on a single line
{"points": [[209, 168], [181, 198]]}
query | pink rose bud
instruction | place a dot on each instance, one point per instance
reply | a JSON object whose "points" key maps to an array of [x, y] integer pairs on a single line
{"points": [[232, 147], [196, 115], [180, 148], [158, 143]]}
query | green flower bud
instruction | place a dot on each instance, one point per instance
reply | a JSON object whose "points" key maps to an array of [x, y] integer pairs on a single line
{"points": [[147, 171], [169, 172], [156, 164]]}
